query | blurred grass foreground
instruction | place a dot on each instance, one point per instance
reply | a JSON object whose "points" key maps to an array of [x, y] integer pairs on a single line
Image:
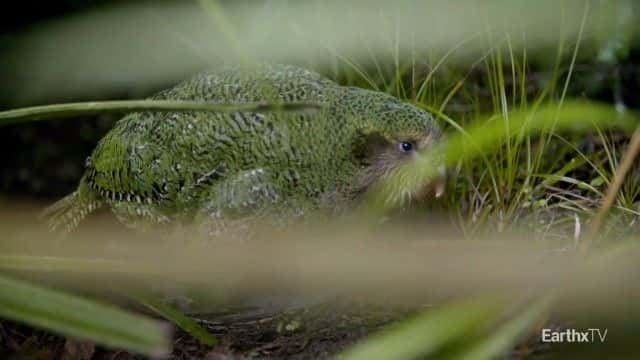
{"points": [[536, 233]]}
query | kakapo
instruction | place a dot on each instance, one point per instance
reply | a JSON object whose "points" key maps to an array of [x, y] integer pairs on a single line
{"points": [[159, 167]]}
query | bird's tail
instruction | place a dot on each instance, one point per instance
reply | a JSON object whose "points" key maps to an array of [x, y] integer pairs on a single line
{"points": [[65, 214]]}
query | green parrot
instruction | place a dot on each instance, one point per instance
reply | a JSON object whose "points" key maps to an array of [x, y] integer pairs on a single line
{"points": [[165, 167]]}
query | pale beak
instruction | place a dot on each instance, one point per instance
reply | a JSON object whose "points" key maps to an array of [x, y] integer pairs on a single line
{"points": [[440, 183]]}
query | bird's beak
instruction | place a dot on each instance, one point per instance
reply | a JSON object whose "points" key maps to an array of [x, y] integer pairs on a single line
{"points": [[440, 183]]}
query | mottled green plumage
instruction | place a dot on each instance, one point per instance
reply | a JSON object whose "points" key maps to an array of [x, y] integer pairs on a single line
{"points": [[157, 167]]}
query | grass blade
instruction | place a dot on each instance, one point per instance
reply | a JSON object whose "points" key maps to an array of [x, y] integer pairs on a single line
{"points": [[35, 113], [179, 319], [427, 332], [77, 317], [626, 164], [508, 334], [54, 263], [101, 266]]}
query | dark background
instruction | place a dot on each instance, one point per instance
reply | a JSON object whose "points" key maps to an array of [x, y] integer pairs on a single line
{"points": [[45, 159]]}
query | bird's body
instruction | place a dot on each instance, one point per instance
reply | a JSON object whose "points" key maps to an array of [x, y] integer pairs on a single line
{"points": [[159, 167]]}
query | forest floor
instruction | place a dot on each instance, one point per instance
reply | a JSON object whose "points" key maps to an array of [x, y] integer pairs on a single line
{"points": [[316, 332]]}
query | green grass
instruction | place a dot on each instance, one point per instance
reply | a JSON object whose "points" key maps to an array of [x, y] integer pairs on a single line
{"points": [[77, 317], [534, 169]]}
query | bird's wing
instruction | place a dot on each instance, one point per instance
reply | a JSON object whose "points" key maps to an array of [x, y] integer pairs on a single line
{"points": [[152, 157]]}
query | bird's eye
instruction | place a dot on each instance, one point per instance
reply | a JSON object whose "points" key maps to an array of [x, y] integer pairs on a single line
{"points": [[406, 146]]}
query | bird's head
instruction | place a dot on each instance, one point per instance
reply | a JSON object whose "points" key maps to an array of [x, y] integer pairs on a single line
{"points": [[394, 134]]}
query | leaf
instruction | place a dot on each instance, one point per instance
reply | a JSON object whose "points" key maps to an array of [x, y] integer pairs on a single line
{"points": [[78, 317], [178, 318], [102, 266], [426, 333], [597, 181]]}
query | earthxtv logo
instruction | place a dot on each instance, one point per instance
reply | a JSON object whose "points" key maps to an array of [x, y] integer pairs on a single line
{"points": [[572, 335]]}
